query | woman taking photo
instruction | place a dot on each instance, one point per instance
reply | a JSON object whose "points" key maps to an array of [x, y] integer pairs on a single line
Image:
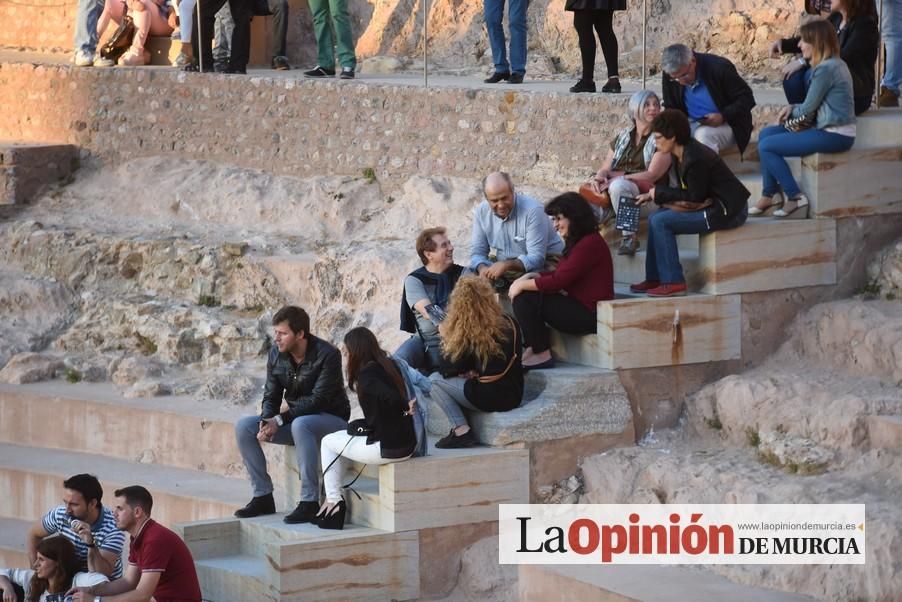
{"points": [[709, 197], [482, 346], [385, 434], [566, 298], [855, 23], [828, 105], [54, 574], [632, 165], [597, 15]]}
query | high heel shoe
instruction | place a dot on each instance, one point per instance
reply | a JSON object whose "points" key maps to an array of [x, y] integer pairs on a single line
{"points": [[758, 211], [794, 208], [334, 519]]}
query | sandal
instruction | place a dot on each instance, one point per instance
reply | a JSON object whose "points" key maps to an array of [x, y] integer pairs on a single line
{"points": [[765, 205]]}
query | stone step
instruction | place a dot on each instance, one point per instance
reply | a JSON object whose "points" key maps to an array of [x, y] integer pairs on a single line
{"points": [[26, 169], [446, 487], [859, 182], [35, 477], [94, 418], [568, 401], [164, 49], [631, 269], [13, 532], [768, 254], [634, 583], [274, 561], [878, 129], [643, 332]]}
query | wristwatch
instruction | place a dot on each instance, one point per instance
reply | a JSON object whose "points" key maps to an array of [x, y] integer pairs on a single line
{"points": [[279, 420]]}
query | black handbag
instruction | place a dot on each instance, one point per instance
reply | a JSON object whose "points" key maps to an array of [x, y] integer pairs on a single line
{"points": [[120, 41], [800, 123], [359, 428]]}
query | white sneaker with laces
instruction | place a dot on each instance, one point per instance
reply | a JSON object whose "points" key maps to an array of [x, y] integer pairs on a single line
{"points": [[83, 59]]}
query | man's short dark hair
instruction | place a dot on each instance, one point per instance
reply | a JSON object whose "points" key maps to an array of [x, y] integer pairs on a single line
{"points": [[672, 123], [425, 242], [87, 485], [136, 497], [296, 317]]}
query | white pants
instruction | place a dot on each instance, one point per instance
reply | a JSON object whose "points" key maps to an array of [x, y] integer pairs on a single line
{"points": [[357, 450], [718, 138], [186, 20]]}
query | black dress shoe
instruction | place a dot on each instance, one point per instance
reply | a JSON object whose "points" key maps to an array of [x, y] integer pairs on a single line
{"points": [[258, 506], [498, 76], [612, 86], [336, 520], [515, 78], [583, 86], [452, 441], [304, 513], [280, 63]]}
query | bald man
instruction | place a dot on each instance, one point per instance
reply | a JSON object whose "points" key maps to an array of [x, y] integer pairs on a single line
{"points": [[511, 234]]}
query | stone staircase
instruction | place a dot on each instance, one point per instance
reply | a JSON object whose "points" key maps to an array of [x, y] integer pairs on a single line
{"points": [[26, 169]]}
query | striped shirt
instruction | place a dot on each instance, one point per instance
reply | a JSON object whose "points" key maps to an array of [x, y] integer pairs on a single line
{"points": [[106, 536]]}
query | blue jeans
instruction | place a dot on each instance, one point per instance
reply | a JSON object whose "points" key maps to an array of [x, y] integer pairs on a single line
{"points": [[304, 432], [892, 37], [86, 16], [662, 259], [796, 88], [774, 143], [516, 13]]}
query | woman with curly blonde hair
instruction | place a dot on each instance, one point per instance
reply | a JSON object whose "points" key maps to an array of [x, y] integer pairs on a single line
{"points": [[482, 346]]}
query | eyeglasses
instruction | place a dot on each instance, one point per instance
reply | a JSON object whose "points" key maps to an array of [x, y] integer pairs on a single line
{"points": [[687, 71]]}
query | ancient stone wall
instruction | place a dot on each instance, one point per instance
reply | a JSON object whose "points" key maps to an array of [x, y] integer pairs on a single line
{"points": [[308, 128]]}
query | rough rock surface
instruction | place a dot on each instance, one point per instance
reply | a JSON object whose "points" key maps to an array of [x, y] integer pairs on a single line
{"points": [[794, 430], [885, 272], [30, 367], [33, 311], [482, 578]]}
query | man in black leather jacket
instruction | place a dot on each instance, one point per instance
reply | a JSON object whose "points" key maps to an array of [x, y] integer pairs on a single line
{"points": [[304, 400]]}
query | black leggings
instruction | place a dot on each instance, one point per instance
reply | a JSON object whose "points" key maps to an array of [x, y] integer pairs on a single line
{"points": [[603, 22], [534, 309]]}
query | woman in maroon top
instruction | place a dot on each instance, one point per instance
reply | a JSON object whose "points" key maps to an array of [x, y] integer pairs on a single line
{"points": [[564, 299]]}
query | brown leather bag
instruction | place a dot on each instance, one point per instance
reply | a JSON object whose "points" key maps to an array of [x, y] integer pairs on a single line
{"points": [[120, 41], [602, 199]]}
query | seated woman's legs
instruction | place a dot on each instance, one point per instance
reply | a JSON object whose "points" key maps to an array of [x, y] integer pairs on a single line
{"points": [[534, 310], [663, 228], [776, 145], [340, 445], [796, 86], [449, 396], [113, 10], [148, 21]]}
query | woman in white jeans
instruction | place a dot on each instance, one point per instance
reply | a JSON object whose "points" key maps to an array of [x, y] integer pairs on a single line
{"points": [[386, 432]]}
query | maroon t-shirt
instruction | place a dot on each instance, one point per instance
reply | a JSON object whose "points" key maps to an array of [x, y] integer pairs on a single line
{"points": [[586, 272], [156, 549]]}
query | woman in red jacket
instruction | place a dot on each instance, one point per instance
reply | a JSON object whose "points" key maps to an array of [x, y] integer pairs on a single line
{"points": [[566, 298]]}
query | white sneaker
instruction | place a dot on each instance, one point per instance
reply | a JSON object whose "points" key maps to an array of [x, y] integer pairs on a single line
{"points": [[83, 59], [102, 62]]}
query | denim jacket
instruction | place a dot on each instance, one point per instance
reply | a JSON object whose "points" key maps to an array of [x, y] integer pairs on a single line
{"points": [[829, 95], [416, 383]]}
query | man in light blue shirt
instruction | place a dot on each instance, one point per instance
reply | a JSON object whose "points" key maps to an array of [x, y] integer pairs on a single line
{"points": [[511, 233]]}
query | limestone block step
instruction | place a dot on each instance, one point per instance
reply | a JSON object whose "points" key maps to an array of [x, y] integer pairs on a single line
{"points": [[769, 254], [643, 332], [12, 542], [302, 562], [858, 182], [32, 478], [631, 269], [94, 418], [568, 401], [885, 432], [634, 583], [446, 487], [27, 168], [878, 129], [163, 50]]}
